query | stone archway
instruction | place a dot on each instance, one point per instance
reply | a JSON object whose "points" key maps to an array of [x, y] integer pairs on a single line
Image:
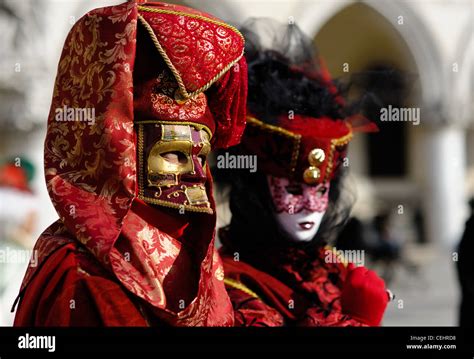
{"points": [[415, 33]]}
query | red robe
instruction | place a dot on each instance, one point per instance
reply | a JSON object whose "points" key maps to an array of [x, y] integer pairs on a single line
{"points": [[73, 289], [292, 289], [70, 287]]}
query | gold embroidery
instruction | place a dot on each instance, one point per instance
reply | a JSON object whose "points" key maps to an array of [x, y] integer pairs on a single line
{"points": [[337, 142], [198, 126], [140, 161], [219, 273], [238, 285]]}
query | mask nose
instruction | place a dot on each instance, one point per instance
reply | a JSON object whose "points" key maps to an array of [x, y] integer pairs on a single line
{"points": [[307, 193], [199, 175]]}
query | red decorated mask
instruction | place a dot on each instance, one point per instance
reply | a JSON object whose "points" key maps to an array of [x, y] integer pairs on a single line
{"points": [[294, 197]]}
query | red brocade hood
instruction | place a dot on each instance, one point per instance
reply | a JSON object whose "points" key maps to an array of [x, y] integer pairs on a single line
{"points": [[91, 167]]}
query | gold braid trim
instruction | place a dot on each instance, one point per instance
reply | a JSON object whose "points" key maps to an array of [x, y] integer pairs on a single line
{"points": [[140, 161], [193, 16], [238, 285], [295, 154], [271, 128], [337, 142], [167, 60], [194, 124], [176, 206]]}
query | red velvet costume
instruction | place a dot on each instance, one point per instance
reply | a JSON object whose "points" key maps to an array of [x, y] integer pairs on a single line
{"points": [[296, 289], [272, 279], [113, 258]]}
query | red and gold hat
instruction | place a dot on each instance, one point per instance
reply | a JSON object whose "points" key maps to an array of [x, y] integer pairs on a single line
{"points": [[299, 126], [190, 69], [302, 148]]}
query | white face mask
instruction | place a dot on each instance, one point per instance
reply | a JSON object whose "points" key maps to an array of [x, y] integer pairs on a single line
{"points": [[299, 208]]}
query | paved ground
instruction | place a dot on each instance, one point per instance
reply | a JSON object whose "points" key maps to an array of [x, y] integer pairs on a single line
{"points": [[430, 295]]}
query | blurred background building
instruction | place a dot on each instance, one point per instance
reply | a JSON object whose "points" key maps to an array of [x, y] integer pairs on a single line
{"points": [[413, 180]]}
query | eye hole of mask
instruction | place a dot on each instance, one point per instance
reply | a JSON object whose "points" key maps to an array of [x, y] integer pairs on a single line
{"points": [[175, 157], [322, 191], [202, 160], [295, 189]]}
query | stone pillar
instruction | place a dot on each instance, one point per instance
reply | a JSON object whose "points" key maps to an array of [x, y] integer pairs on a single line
{"points": [[444, 157]]}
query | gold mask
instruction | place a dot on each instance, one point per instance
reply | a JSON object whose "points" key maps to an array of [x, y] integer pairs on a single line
{"points": [[172, 165]]}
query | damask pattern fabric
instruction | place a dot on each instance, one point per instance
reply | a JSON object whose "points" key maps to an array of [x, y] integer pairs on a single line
{"points": [[112, 259]]}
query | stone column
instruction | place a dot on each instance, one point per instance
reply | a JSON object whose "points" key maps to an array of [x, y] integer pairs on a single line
{"points": [[444, 157]]}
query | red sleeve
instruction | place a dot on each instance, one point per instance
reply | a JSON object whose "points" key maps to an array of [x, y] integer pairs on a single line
{"points": [[317, 317], [329, 312], [251, 311], [69, 289]]}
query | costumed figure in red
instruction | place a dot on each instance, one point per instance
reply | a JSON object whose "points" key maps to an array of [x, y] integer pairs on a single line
{"points": [[278, 266], [134, 245]]}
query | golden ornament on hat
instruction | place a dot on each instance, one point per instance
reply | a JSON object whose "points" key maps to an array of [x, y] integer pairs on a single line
{"points": [[311, 175], [316, 157]]}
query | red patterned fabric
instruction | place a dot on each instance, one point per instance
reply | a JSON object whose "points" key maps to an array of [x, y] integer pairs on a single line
{"points": [[125, 262], [199, 50], [189, 52], [72, 289], [296, 289]]}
